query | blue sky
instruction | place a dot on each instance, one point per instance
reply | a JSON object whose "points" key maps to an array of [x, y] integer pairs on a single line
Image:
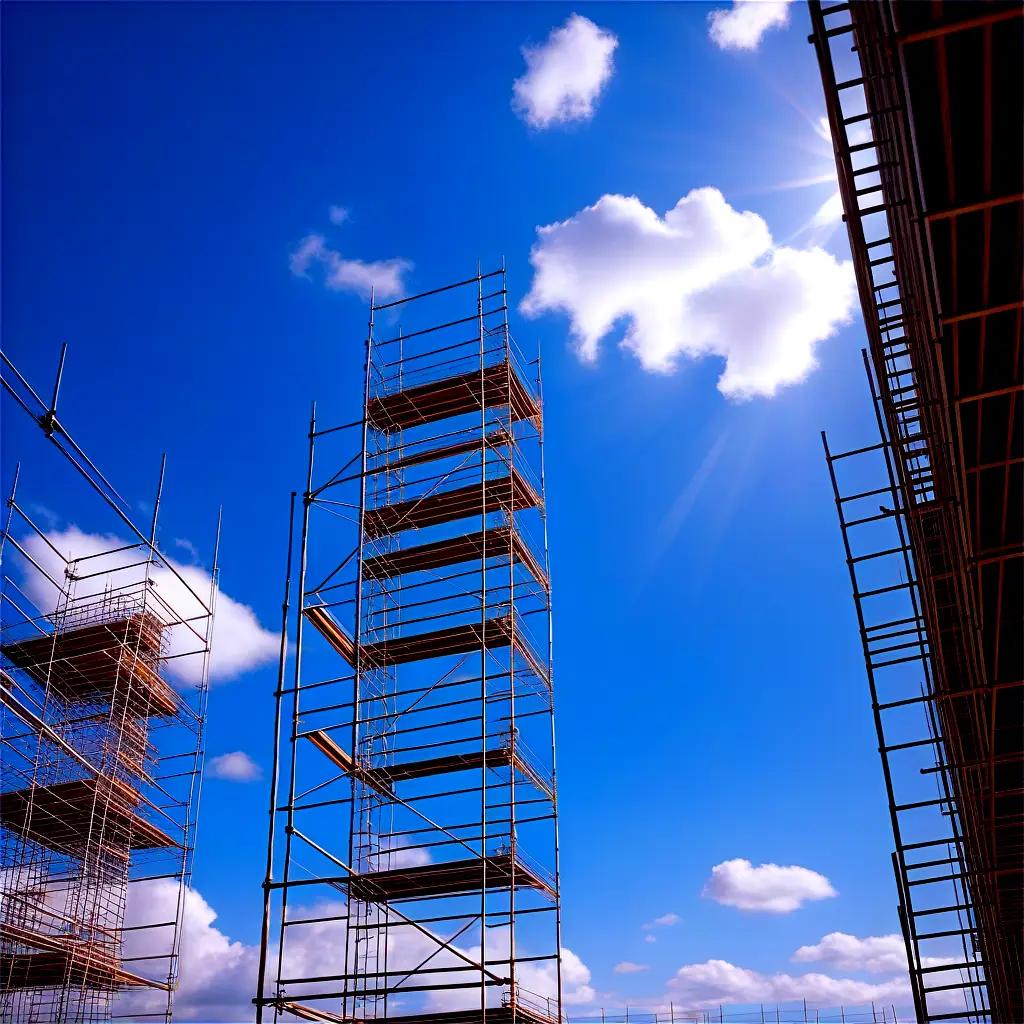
{"points": [[162, 163]]}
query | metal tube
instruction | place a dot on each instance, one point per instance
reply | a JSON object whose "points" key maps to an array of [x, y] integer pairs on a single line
{"points": [[275, 762]]}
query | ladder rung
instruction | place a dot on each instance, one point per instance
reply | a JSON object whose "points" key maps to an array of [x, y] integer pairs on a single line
{"points": [[927, 844], [926, 936], [971, 965], [881, 554], [919, 644], [918, 804], [940, 910], [907, 746], [897, 661], [970, 983], [886, 590], [934, 878], [902, 704]]}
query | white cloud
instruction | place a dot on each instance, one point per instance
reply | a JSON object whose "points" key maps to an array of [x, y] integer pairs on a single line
{"points": [[773, 888], [702, 280], [665, 921], [239, 641], [338, 214], [217, 977], [878, 954], [237, 766], [651, 939], [384, 278], [564, 77], [717, 982], [875, 953], [742, 25], [628, 967]]}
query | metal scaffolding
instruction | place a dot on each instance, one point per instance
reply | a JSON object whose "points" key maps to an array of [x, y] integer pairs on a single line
{"points": [[417, 776], [925, 109], [101, 757]]}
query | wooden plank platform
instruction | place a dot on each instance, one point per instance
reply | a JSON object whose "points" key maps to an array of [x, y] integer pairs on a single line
{"points": [[60, 816], [330, 629], [497, 757], [439, 643], [383, 778], [500, 540], [511, 493], [497, 385], [60, 959], [101, 662], [343, 759], [495, 1015], [495, 439], [444, 879]]}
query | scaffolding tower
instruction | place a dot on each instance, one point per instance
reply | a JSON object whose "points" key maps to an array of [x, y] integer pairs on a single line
{"points": [[417, 754], [101, 757], [927, 119]]}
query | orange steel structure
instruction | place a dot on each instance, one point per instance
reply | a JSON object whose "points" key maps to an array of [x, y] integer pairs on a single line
{"points": [[414, 810], [925, 108], [101, 759]]}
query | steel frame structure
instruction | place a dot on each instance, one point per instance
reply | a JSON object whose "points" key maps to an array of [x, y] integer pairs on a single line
{"points": [[924, 105], [419, 781], [102, 758]]}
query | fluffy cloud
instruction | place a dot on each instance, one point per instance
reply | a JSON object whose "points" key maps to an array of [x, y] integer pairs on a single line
{"points": [[704, 279], [384, 278], [628, 967], [878, 954], [773, 888], [239, 641], [217, 977], [717, 982], [742, 25], [665, 921], [564, 77], [236, 766]]}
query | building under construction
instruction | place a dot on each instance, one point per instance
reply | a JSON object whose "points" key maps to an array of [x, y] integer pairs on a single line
{"points": [[101, 755], [925, 106], [413, 815]]}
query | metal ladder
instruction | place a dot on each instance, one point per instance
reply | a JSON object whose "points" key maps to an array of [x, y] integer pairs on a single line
{"points": [[935, 909]]}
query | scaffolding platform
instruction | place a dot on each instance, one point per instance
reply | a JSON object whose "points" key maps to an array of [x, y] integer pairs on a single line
{"points": [[496, 542], [384, 777], [446, 879], [495, 439], [99, 662], [508, 493], [452, 396], [495, 1015], [348, 764], [440, 643], [320, 617], [80, 965], [60, 816], [498, 757]]}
